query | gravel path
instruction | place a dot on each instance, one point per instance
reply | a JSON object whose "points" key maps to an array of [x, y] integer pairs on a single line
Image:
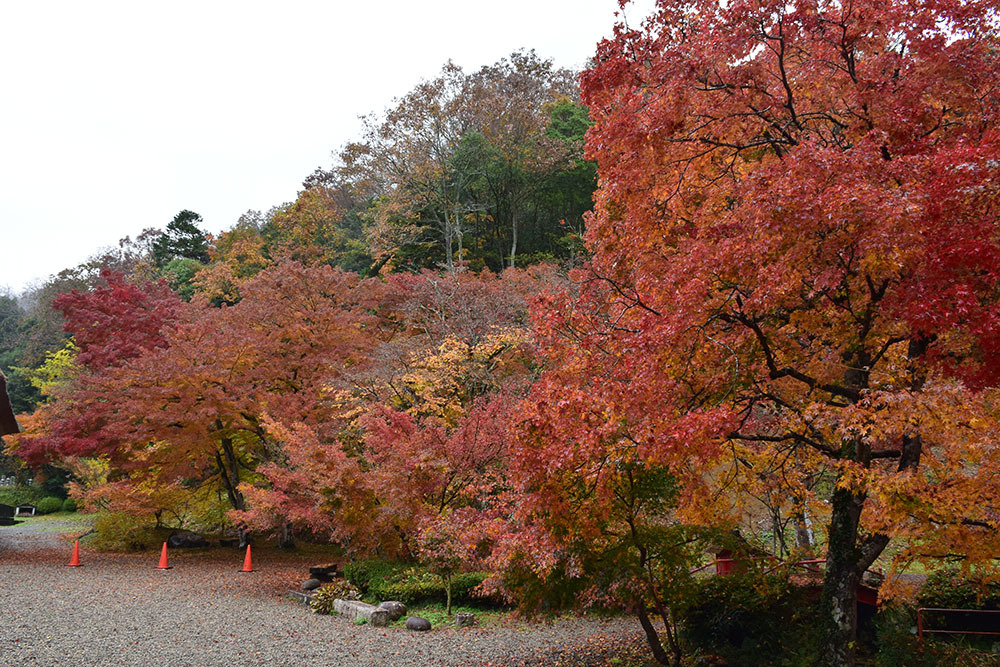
{"points": [[120, 610]]}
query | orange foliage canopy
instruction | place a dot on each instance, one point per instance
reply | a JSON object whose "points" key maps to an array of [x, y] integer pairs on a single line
{"points": [[795, 277]]}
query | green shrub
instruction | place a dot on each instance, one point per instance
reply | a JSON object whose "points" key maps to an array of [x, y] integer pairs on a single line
{"points": [[416, 584], [69, 505], [20, 495], [750, 620], [950, 589], [362, 573], [386, 580], [898, 643], [124, 532], [49, 504], [322, 602], [408, 586]]}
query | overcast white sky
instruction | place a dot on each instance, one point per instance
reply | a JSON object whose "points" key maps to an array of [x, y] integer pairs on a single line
{"points": [[117, 115]]}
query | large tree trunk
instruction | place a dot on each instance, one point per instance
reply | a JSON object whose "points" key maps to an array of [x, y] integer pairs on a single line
{"points": [[230, 473], [848, 557], [840, 586]]}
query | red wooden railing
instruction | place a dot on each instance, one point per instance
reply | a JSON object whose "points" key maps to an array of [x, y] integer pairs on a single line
{"points": [[921, 630]]}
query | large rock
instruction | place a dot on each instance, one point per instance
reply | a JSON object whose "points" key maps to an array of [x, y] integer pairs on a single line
{"points": [[418, 623], [464, 619], [355, 609], [185, 539], [397, 610], [311, 584]]}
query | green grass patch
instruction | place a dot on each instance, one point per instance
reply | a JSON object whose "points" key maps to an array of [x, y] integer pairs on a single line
{"points": [[60, 522], [435, 613]]}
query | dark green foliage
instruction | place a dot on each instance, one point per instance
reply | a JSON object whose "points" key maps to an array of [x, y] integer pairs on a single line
{"points": [[568, 120], [49, 504], [182, 240], [69, 505], [362, 573], [898, 644], [382, 580], [950, 589], [14, 330], [556, 592], [749, 620], [322, 602], [415, 584], [20, 495], [180, 274]]}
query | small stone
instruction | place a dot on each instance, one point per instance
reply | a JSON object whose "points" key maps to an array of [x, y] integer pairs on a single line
{"points": [[464, 619], [396, 609], [417, 623], [311, 584]]}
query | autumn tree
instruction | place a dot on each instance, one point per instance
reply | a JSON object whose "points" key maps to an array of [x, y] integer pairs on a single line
{"points": [[111, 325], [411, 153], [194, 409], [795, 275], [463, 164], [514, 99], [418, 432], [236, 255]]}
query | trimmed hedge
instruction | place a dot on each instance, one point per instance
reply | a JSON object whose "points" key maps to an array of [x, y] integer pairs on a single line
{"points": [[362, 573]]}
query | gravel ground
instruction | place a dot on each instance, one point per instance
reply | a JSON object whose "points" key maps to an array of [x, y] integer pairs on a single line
{"points": [[120, 610]]}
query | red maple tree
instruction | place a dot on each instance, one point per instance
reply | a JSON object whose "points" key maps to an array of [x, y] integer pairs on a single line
{"points": [[794, 278]]}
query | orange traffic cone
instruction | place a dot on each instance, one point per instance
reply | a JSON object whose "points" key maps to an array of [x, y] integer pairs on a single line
{"points": [[74, 560], [247, 563], [163, 559]]}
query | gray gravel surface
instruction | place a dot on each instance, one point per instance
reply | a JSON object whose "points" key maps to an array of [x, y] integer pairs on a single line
{"points": [[120, 610]]}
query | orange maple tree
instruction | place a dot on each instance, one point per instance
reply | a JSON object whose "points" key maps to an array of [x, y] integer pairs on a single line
{"points": [[418, 432], [794, 278]]}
